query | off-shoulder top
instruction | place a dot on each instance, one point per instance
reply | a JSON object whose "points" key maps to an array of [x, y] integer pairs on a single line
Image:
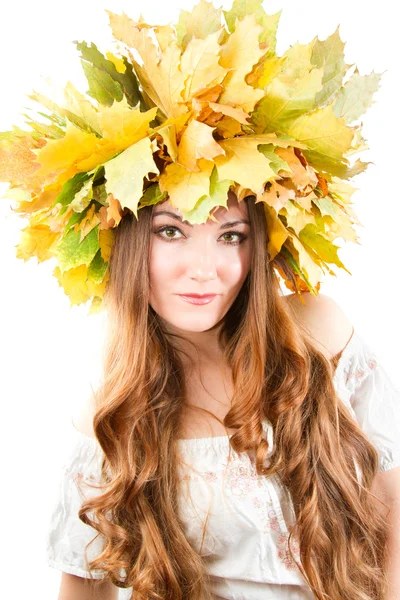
{"points": [[248, 515]]}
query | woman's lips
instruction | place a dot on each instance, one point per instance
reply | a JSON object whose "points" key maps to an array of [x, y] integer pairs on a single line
{"points": [[198, 299]]}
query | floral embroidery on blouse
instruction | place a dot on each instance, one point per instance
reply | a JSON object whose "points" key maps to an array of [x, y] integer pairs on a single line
{"points": [[284, 554], [241, 480], [360, 373]]}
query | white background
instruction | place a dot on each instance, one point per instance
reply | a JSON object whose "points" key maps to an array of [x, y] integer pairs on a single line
{"points": [[51, 352]]}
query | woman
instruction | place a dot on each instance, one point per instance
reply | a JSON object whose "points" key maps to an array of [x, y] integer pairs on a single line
{"points": [[187, 511], [244, 446]]}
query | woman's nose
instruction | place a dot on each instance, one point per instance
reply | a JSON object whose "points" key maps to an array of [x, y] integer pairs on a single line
{"points": [[203, 262]]}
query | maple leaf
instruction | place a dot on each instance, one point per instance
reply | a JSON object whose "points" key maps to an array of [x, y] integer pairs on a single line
{"points": [[277, 232], [309, 269], [200, 65], [326, 250], [344, 223], [121, 126], [185, 187], [97, 268], [18, 162], [269, 23], [329, 54], [106, 238], [125, 173], [117, 62], [152, 195], [244, 163], [303, 176], [198, 111], [239, 54], [82, 197], [197, 142], [323, 132], [170, 131], [77, 284], [265, 70], [110, 215], [71, 252], [107, 79], [38, 240], [276, 195], [355, 96], [291, 93], [276, 162], [159, 76], [217, 196], [297, 218], [203, 20]]}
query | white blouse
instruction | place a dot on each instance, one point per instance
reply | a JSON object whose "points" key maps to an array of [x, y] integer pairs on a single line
{"points": [[249, 515]]}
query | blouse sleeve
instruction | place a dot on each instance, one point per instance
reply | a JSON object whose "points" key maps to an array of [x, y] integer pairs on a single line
{"points": [[67, 535], [371, 397]]}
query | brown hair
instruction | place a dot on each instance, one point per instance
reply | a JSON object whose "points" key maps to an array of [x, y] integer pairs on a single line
{"points": [[278, 373]]}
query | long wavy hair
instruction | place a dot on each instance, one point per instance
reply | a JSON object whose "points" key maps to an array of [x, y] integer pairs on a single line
{"points": [[278, 373]]}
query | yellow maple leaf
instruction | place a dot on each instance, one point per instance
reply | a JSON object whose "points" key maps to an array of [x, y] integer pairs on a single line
{"points": [[200, 65], [277, 195], [125, 172], [159, 75], [197, 142], [36, 240], [302, 176], [203, 20], [297, 218], [277, 232], [41, 200], [18, 162], [77, 104], [79, 150], [57, 155], [123, 124], [78, 286], [170, 131], [307, 264], [244, 163], [106, 238], [185, 187], [239, 54], [323, 132]]}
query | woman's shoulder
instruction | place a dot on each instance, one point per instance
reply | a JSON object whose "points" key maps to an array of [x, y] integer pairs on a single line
{"points": [[325, 319]]}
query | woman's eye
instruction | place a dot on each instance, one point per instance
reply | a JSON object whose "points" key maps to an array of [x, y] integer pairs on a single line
{"points": [[170, 229], [239, 235]]}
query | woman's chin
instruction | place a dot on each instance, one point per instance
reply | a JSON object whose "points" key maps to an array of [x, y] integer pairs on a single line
{"points": [[194, 324]]}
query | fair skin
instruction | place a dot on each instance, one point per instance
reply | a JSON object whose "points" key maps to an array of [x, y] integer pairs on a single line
{"points": [[199, 259], [205, 258]]}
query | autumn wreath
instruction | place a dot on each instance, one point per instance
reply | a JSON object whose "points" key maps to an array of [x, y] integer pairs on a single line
{"points": [[189, 111]]}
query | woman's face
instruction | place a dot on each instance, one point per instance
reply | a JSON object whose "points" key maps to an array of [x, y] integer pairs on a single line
{"points": [[210, 258]]}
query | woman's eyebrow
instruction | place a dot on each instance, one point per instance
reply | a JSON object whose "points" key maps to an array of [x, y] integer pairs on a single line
{"points": [[178, 218]]}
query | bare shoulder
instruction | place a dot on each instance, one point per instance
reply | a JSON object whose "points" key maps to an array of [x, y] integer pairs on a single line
{"points": [[83, 418], [325, 319]]}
